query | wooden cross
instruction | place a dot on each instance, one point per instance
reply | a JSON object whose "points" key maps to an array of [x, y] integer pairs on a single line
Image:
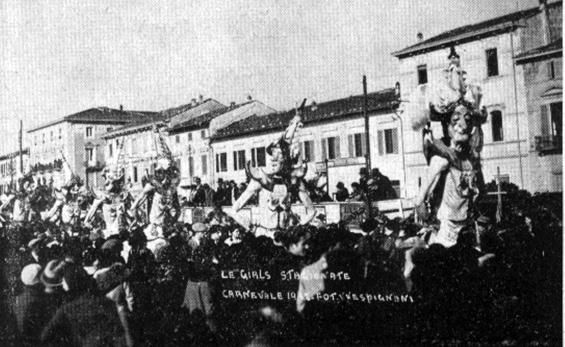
{"points": [[498, 194]]}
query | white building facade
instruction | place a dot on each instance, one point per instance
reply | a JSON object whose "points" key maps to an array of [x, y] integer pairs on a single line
{"points": [[72, 144], [333, 130], [189, 139], [487, 52], [12, 168]]}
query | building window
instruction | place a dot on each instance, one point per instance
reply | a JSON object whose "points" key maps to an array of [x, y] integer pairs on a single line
{"points": [[221, 162], [330, 148], [204, 161], [111, 150], [556, 109], [357, 145], [135, 173], [551, 70], [51, 136], [203, 134], [109, 129], [43, 138], [90, 154], [496, 122], [88, 132], [492, 62], [387, 141], [239, 160], [189, 137], [60, 133], [134, 146], [177, 139], [35, 140], [258, 156], [422, 74], [190, 166], [308, 151]]}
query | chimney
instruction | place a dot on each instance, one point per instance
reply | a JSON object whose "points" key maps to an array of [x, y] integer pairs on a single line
{"points": [[249, 98], [121, 107], [200, 98], [397, 90], [313, 106], [420, 36], [546, 33], [193, 102], [232, 104]]}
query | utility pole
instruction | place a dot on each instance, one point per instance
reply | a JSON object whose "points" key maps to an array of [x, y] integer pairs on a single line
{"points": [[368, 145], [21, 148]]}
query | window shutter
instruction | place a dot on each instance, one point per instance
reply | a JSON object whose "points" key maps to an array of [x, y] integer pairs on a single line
{"points": [[217, 163], [337, 153], [351, 146], [544, 121], [234, 161], [363, 144], [380, 141], [324, 149], [253, 155], [394, 141]]}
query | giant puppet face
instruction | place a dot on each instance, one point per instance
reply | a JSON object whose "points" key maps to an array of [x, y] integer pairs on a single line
{"points": [[113, 180], [460, 127]]}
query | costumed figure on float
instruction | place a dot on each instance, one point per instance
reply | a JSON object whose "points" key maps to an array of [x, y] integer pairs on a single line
{"points": [[66, 212], [115, 200], [454, 179], [275, 184], [25, 203], [160, 192]]}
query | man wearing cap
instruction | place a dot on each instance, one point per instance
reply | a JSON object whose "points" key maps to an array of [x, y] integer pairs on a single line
{"points": [[29, 308]]}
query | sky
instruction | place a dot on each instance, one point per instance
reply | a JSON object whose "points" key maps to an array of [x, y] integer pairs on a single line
{"points": [[60, 57]]}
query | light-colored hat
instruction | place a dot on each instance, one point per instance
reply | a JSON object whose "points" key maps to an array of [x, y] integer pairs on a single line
{"points": [[52, 276], [31, 274], [199, 227]]}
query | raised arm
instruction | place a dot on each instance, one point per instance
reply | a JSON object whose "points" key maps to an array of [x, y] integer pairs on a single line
{"points": [[95, 205], [295, 123], [437, 166]]}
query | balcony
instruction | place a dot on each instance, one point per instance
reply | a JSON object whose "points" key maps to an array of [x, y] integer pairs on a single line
{"points": [[548, 145], [93, 165]]}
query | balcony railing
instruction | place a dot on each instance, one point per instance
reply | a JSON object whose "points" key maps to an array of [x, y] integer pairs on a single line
{"points": [[549, 145]]}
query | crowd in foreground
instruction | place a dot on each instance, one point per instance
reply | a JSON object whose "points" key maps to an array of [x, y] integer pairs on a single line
{"points": [[214, 283]]}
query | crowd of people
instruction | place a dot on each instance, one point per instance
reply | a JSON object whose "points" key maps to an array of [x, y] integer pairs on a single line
{"points": [[373, 185], [215, 283]]}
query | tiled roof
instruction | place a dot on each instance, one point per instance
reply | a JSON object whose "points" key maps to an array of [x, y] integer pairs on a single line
{"points": [[101, 115], [159, 117], [469, 32], [554, 48], [14, 154], [327, 111], [204, 120]]}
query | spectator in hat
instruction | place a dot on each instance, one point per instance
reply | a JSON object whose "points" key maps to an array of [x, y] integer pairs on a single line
{"points": [[356, 192], [342, 193], [89, 320], [29, 307], [198, 196], [209, 194], [110, 252]]}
